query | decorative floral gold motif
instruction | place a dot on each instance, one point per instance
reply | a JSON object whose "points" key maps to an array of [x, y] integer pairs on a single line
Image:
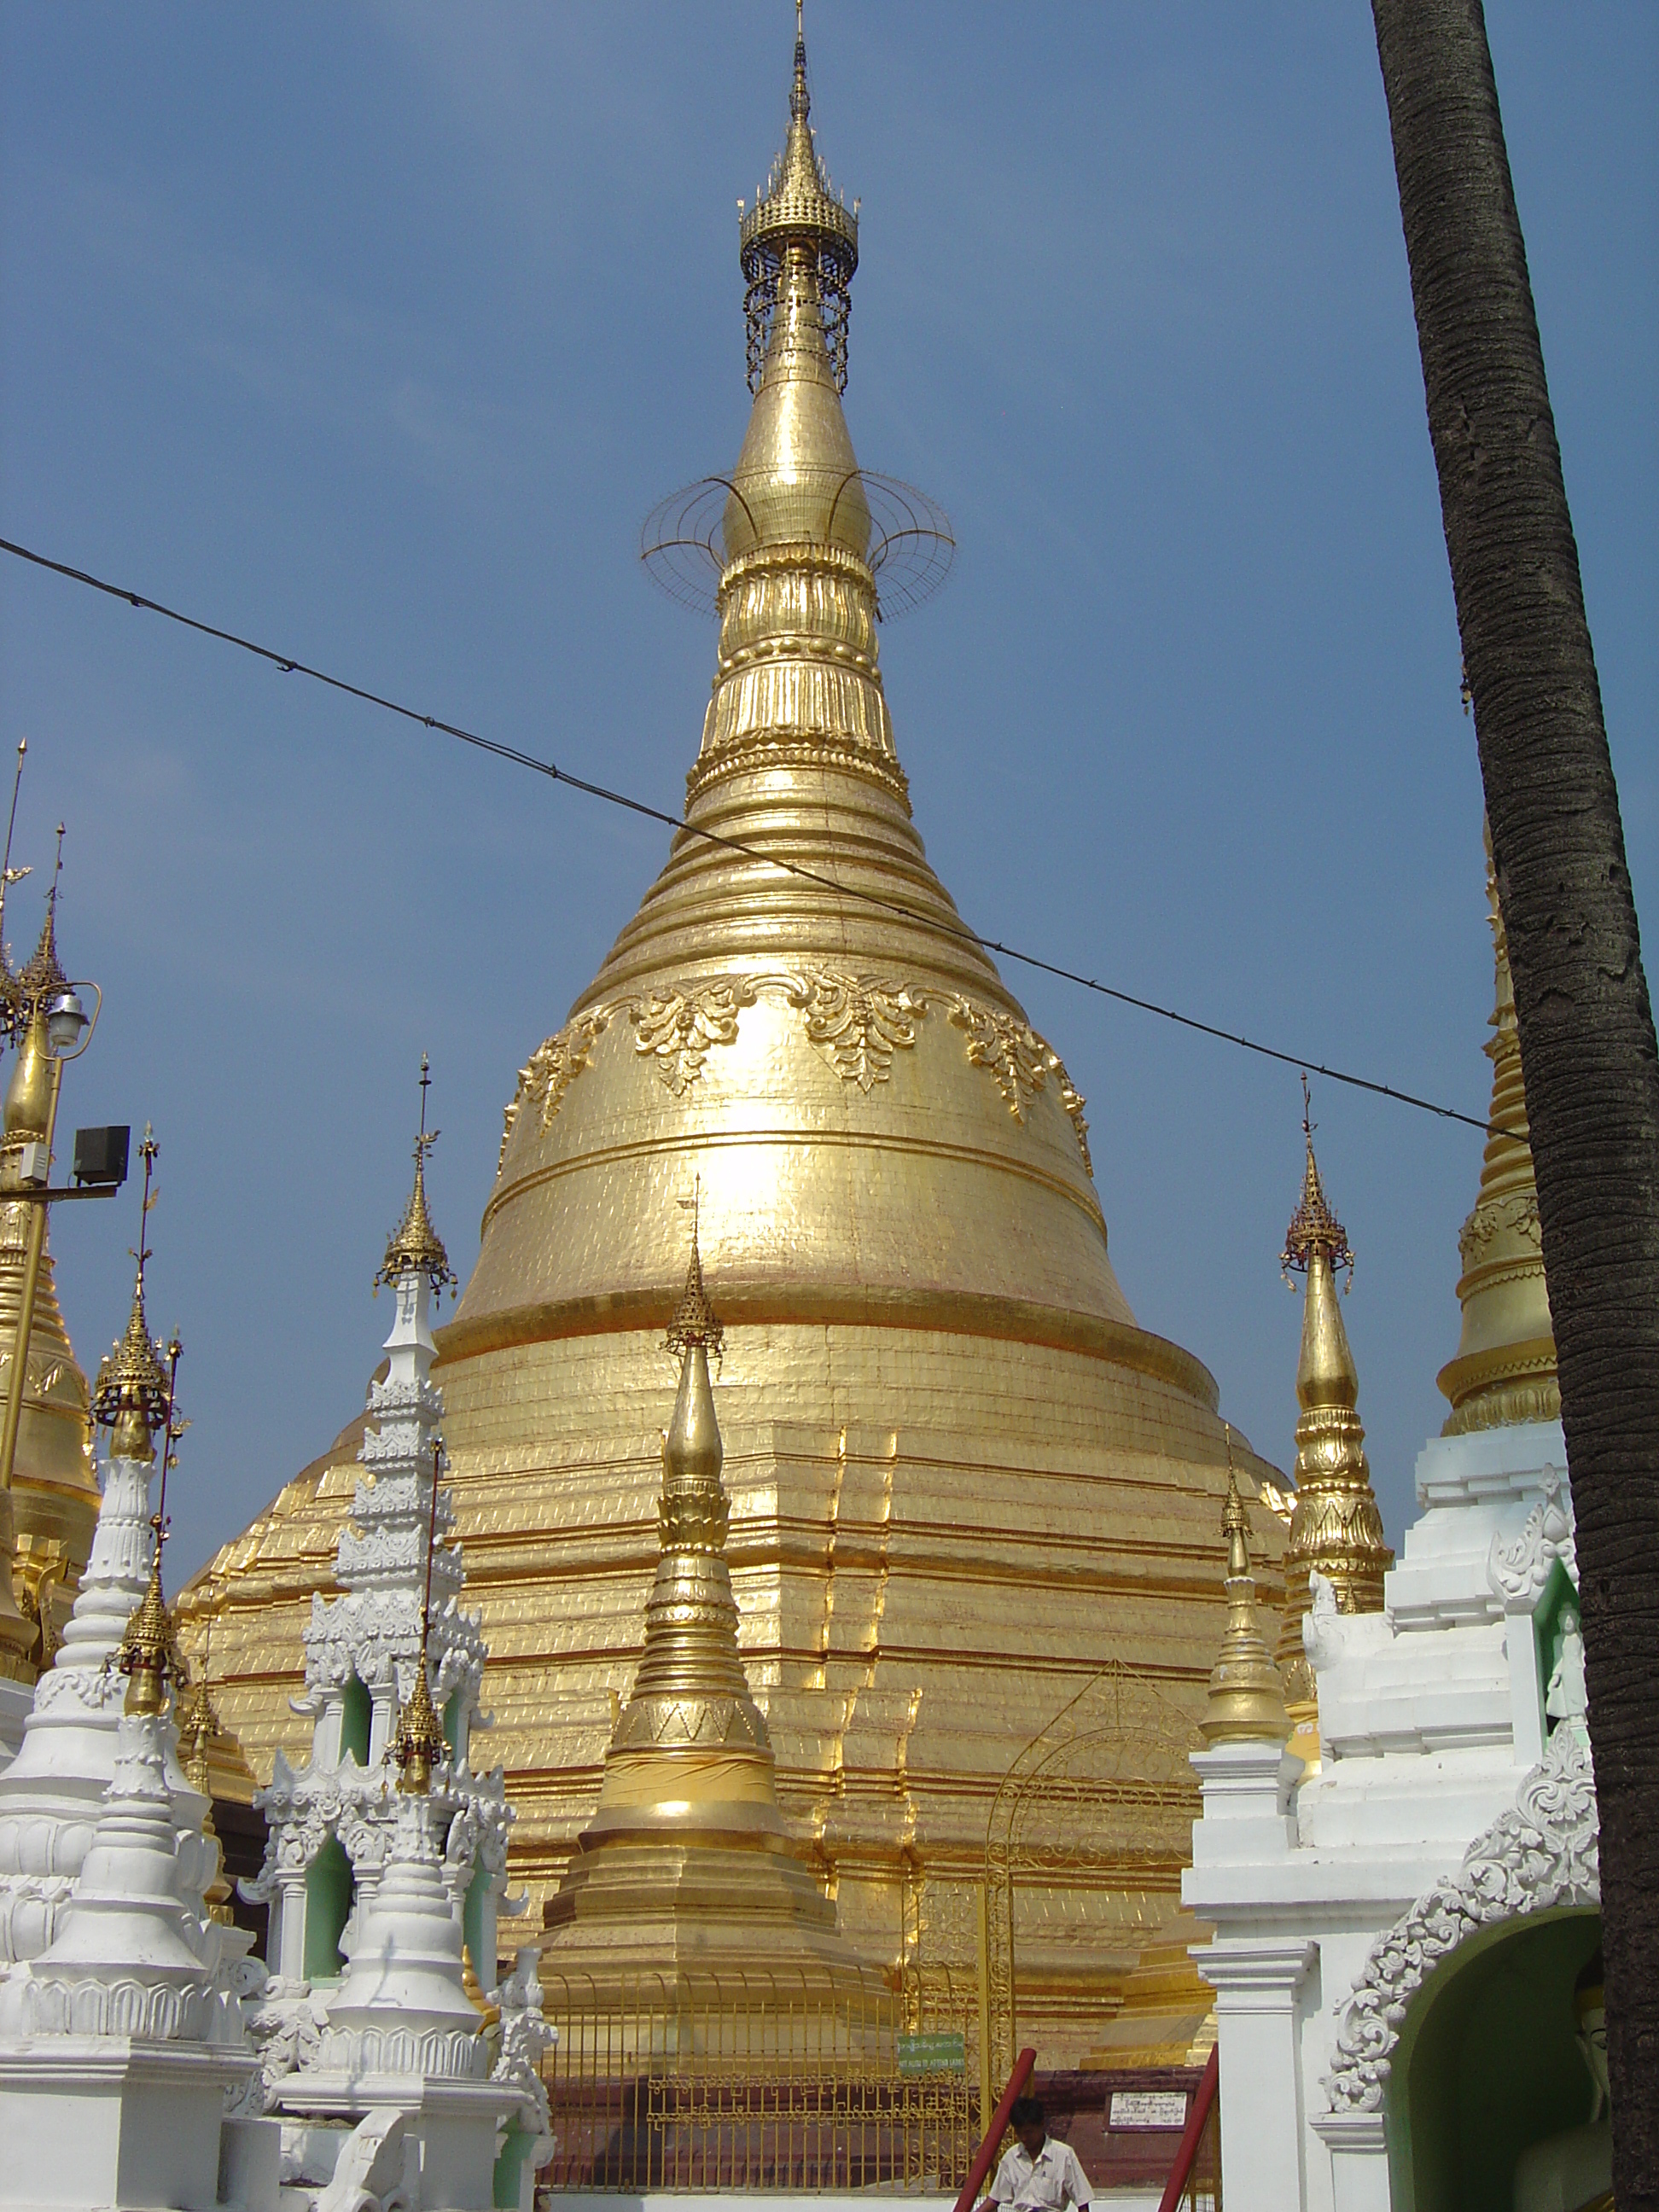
{"points": [[1012, 1051], [1021, 1062], [1074, 1101], [677, 1028], [1516, 1216], [857, 1022], [563, 1058], [553, 1067]]}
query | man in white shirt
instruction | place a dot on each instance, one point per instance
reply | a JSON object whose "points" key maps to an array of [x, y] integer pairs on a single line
{"points": [[1038, 2175]]}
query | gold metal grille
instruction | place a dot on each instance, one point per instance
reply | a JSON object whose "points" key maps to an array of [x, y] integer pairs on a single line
{"points": [[752, 2080], [1105, 1792]]}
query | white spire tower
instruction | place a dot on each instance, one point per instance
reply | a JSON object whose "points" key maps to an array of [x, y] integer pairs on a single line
{"points": [[363, 1659]]}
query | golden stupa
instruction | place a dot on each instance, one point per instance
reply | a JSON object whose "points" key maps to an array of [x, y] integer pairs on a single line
{"points": [[962, 1478], [53, 1505], [687, 1864]]}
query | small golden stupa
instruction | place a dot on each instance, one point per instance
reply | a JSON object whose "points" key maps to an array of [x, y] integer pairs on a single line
{"points": [[1336, 1530], [1246, 1703], [960, 1476], [687, 1862], [1504, 1370]]}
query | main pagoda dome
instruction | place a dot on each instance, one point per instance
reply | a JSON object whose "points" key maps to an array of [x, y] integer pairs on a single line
{"points": [[962, 1479]]}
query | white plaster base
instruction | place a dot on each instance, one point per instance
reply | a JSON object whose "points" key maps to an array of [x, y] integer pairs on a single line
{"points": [[1359, 2159], [104, 2121], [15, 1699], [456, 2123]]}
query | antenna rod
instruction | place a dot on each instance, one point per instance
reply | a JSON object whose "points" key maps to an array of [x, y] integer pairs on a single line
{"points": [[11, 823], [167, 1437], [431, 1541]]}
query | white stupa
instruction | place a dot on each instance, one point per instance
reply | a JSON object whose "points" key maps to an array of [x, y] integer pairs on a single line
{"points": [[1406, 1950], [376, 2053], [51, 1794], [122, 2039], [331, 1824]]}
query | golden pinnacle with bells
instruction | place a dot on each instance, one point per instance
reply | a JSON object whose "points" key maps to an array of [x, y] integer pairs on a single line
{"points": [[149, 1656]]}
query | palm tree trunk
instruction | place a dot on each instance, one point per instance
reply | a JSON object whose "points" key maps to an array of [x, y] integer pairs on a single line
{"points": [[1586, 1034]]}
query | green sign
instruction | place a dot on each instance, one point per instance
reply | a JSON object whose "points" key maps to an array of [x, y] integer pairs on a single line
{"points": [[943, 2053]]}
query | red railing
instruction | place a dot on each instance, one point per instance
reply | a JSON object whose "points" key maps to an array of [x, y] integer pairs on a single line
{"points": [[985, 2157], [1181, 2173]]}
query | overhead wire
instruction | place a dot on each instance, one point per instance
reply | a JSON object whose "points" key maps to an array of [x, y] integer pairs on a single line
{"points": [[291, 665]]}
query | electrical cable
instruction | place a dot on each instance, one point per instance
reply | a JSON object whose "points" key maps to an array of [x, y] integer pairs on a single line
{"points": [[290, 666]]}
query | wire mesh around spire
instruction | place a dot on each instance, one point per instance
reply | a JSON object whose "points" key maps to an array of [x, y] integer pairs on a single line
{"points": [[799, 207], [683, 542]]}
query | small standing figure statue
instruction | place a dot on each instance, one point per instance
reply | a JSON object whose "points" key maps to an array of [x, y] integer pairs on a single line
{"points": [[1566, 1698]]}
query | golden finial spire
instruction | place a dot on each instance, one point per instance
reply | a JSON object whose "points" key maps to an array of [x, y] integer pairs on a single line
{"points": [[1247, 1699], [149, 1656], [418, 1741], [1335, 1526], [1505, 1370], [693, 1322], [132, 1394], [1313, 1226], [43, 977], [800, 239], [415, 1247]]}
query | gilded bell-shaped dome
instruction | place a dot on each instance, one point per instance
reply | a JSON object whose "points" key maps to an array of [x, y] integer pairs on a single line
{"points": [[960, 1477]]}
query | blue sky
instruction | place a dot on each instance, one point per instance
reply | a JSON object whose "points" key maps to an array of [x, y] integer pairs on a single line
{"points": [[374, 331]]}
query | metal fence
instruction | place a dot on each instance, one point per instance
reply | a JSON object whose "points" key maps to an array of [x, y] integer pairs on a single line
{"points": [[752, 2080]]}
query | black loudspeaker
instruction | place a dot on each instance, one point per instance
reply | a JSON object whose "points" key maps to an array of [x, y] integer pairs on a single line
{"points": [[101, 1155]]}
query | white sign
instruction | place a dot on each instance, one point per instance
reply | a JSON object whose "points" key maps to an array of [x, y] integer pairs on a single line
{"points": [[1149, 2108]]}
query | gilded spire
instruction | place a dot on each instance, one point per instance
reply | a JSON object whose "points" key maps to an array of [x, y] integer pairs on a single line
{"points": [[415, 1248], [132, 1394], [1505, 1370], [1247, 1699], [1335, 1526], [693, 1322], [198, 1726]]}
